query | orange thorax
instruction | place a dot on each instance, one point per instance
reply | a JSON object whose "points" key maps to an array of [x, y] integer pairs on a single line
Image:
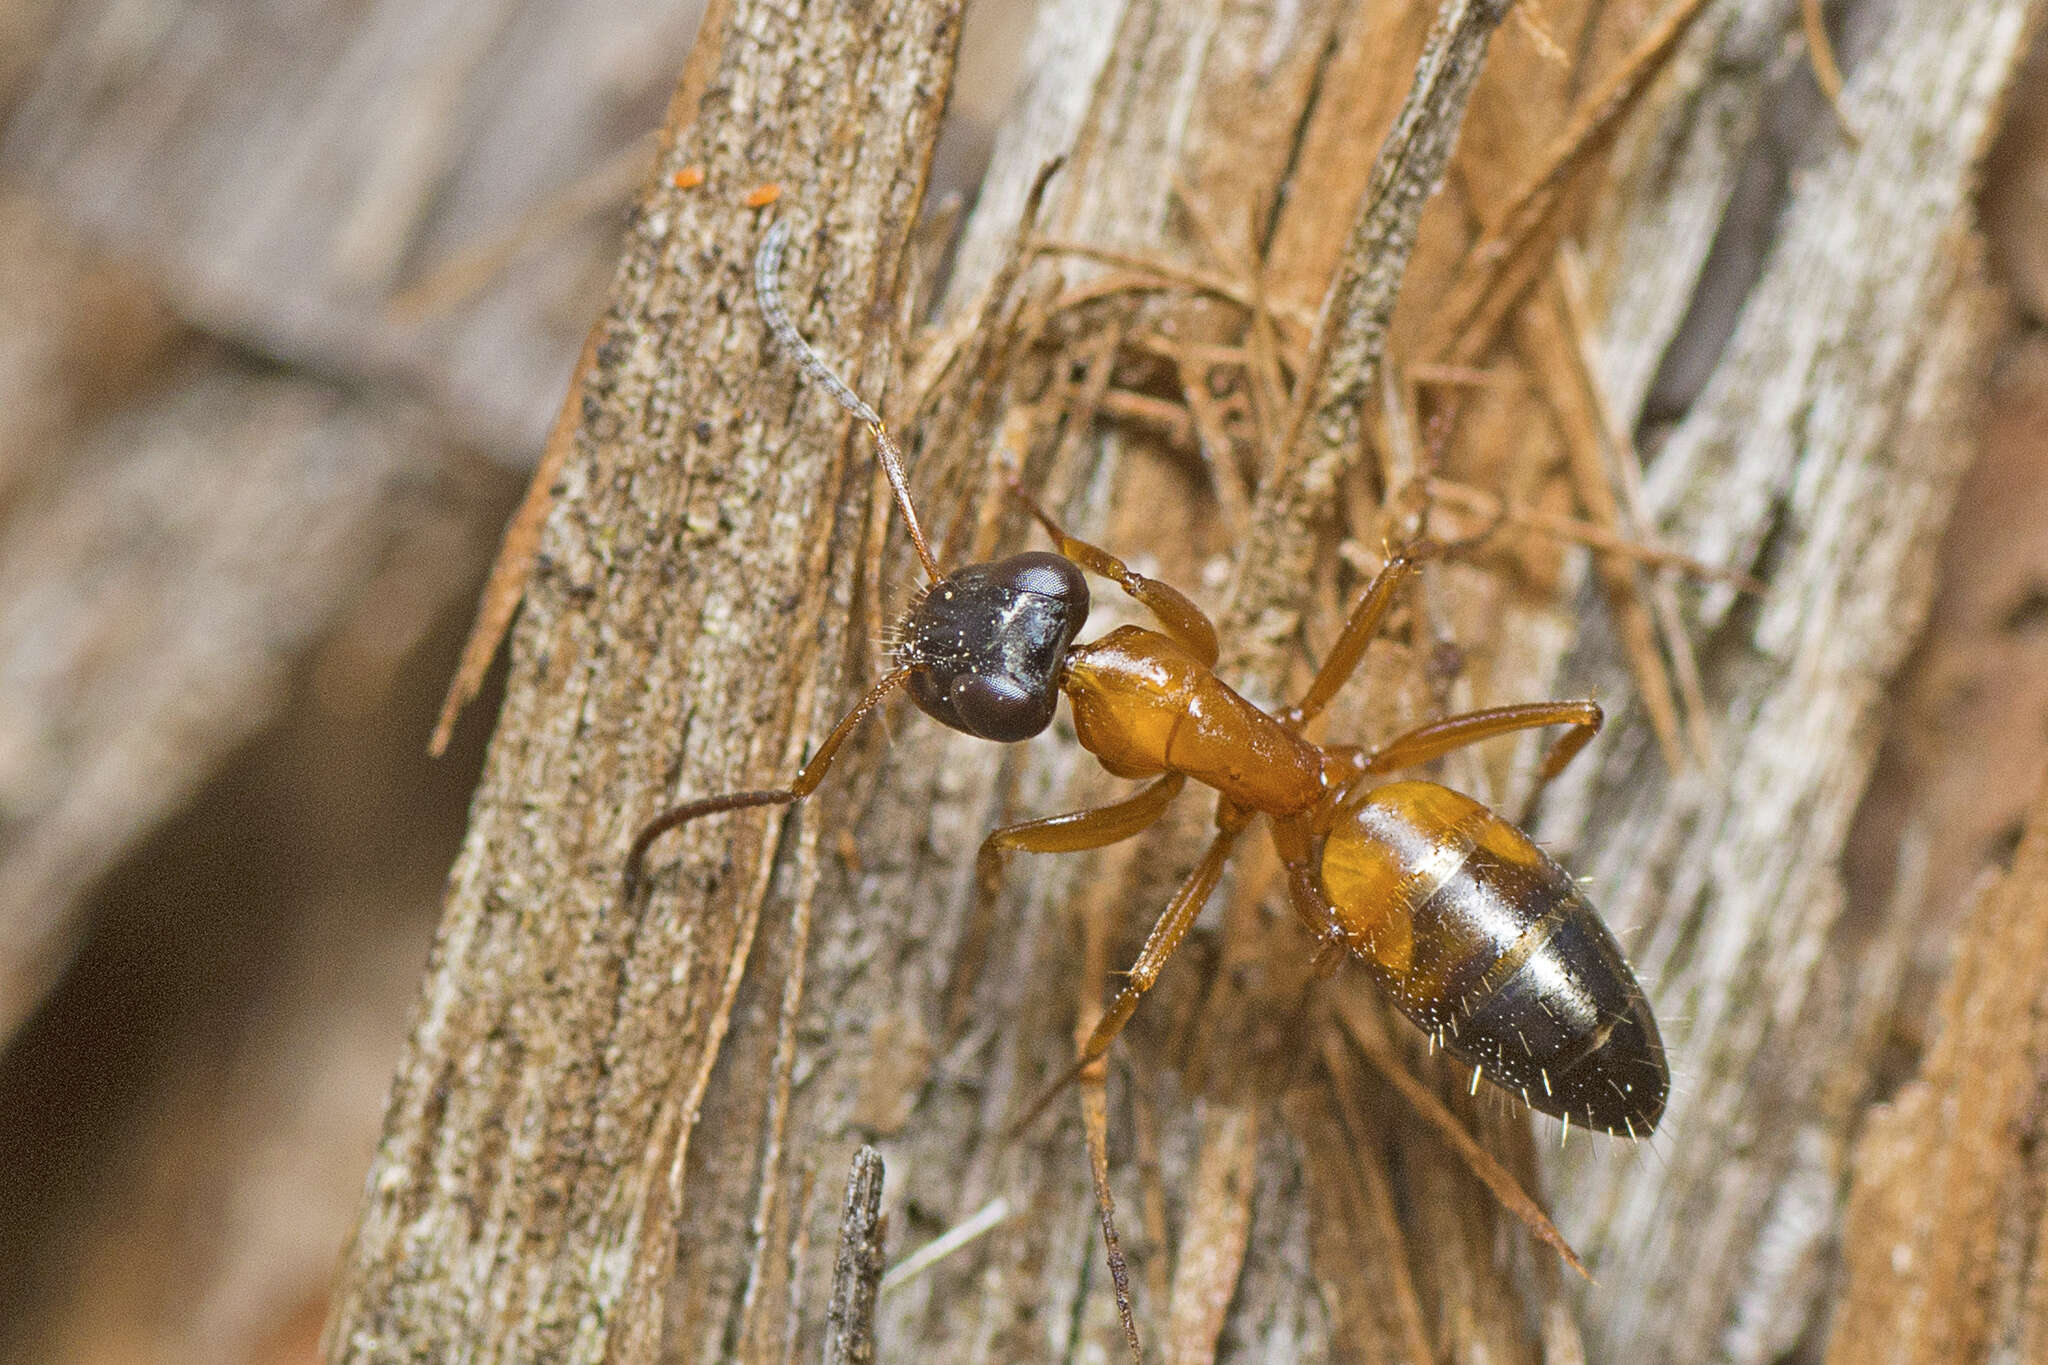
{"points": [[1144, 706]]}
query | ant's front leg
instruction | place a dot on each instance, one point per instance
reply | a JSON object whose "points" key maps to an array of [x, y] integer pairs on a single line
{"points": [[802, 785], [1078, 830], [1179, 617]]}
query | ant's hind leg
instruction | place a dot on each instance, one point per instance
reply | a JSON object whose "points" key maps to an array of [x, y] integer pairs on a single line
{"points": [[1295, 839], [1440, 737], [1179, 617]]}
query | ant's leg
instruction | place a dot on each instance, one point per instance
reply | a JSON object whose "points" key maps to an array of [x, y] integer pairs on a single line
{"points": [[1440, 737], [1079, 829], [1305, 893], [1180, 618], [1174, 923], [1295, 839], [803, 785], [1068, 833], [1359, 630]]}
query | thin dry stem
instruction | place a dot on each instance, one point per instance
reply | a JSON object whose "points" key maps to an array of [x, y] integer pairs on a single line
{"points": [[857, 1269], [1477, 1159]]}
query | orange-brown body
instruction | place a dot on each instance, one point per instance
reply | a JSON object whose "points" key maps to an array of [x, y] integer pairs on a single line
{"points": [[1487, 944], [1470, 928], [1472, 931], [1145, 706]]}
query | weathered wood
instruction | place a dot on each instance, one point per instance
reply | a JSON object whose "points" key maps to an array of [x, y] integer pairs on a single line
{"points": [[527, 1199], [1823, 454], [882, 1032], [610, 1112], [394, 138], [1340, 379], [857, 1268], [1042, 1277], [162, 589], [1943, 1239], [188, 1113], [181, 530]]}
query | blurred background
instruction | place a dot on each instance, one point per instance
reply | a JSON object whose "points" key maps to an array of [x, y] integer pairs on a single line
{"points": [[289, 295]]}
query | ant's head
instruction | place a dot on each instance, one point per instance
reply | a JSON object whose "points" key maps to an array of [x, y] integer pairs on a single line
{"points": [[986, 642], [983, 645]]}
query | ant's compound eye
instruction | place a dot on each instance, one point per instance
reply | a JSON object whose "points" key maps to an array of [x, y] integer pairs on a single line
{"points": [[1050, 576], [1000, 709]]}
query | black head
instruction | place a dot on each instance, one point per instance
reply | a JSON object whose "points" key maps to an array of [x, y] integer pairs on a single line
{"points": [[986, 642]]}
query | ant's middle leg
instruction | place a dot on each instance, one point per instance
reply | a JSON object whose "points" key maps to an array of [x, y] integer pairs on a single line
{"points": [[1187, 625], [1359, 629], [1073, 832], [1174, 922], [1173, 925]]}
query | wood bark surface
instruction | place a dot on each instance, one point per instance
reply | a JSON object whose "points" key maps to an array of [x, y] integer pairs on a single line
{"points": [[618, 1129], [1944, 1234], [181, 529], [226, 422], [1822, 451], [528, 1193]]}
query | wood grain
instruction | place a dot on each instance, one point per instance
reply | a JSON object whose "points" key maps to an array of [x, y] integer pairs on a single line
{"points": [[603, 1133], [526, 1198]]}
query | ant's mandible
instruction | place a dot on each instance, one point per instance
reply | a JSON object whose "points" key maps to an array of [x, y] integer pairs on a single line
{"points": [[1468, 926]]}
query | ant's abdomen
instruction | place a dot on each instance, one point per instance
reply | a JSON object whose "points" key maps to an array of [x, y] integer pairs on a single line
{"points": [[1487, 944]]}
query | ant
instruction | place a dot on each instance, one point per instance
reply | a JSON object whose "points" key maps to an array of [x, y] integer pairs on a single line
{"points": [[1468, 926]]}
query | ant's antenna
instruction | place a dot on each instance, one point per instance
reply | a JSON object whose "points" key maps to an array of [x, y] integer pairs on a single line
{"points": [[767, 288]]}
